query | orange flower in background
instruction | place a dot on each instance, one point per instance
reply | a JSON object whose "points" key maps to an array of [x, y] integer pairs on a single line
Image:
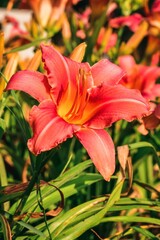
{"points": [[9, 67], [153, 17], [106, 39], [47, 11], [77, 99], [140, 77]]}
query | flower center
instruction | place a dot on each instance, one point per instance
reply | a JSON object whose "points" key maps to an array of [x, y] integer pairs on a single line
{"points": [[74, 100]]}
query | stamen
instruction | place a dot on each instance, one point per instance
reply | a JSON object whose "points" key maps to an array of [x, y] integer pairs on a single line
{"points": [[76, 111]]}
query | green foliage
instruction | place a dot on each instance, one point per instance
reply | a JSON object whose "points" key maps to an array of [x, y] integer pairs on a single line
{"points": [[59, 194], [130, 6]]}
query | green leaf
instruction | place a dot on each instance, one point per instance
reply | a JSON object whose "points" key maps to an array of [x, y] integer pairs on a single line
{"points": [[59, 182], [28, 45], [131, 219], [93, 38], [147, 145], [3, 174], [131, 203], [2, 127], [5, 228], [79, 228], [145, 232], [31, 228]]}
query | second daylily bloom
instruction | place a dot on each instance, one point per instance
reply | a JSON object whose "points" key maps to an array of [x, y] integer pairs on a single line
{"points": [[140, 77], [146, 24], [77, 99]]}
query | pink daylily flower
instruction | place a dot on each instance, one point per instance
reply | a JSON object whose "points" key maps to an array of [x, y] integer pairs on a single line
{"points": [[77, 99], [16, 29], [156, 6], [151, 16], [140, 77], [131, 21], [82, 22]]}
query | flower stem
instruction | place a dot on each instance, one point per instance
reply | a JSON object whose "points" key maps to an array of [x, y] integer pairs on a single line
{"points": [[26, 194]]}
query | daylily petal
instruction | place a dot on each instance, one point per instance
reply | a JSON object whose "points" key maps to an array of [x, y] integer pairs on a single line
{"points": [[110, 104], [153, 93], [48, 128], [57, 69], [150, 88], [140, 77], [74, 70], [100, 148], [126, 62], [106, 72], [152, 72], [62, 72], [31, 82]]}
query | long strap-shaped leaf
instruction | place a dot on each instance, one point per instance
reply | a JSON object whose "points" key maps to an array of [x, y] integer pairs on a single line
{"points": [[5, 228], [78, 229], [148, 145]]}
